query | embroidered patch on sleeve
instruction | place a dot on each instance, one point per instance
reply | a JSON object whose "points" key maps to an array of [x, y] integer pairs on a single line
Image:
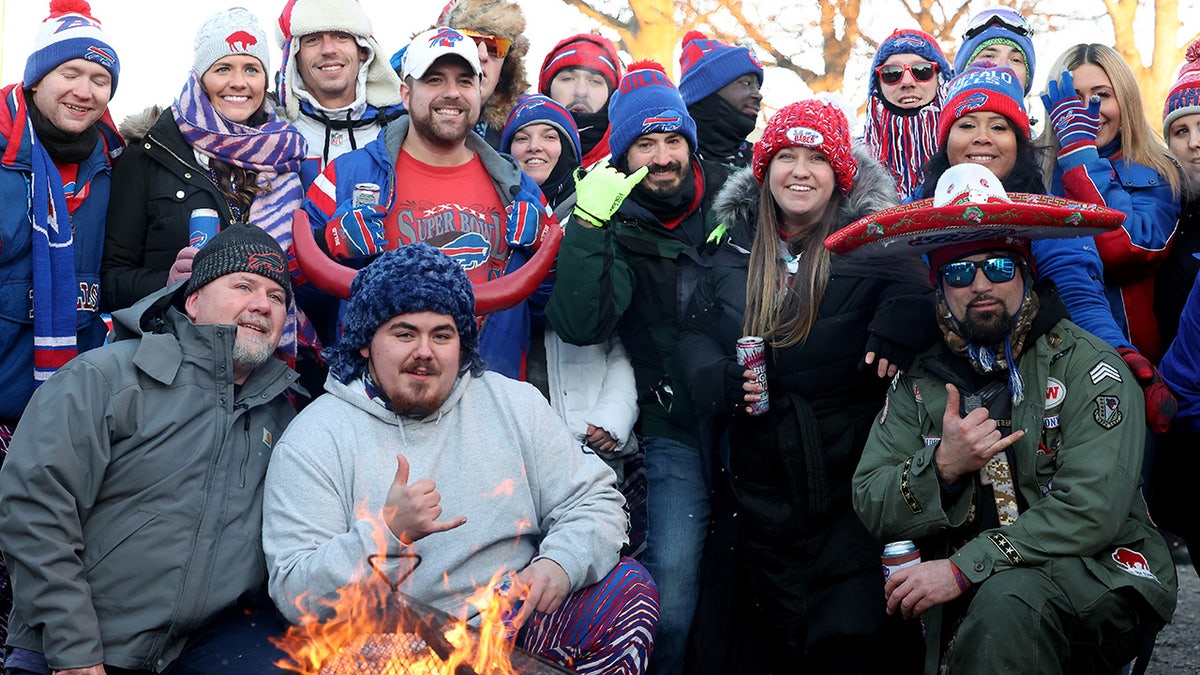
{"points": [[1006, 547], [1102, 371], [1133, 562], [906, 488], [1056, 392], [1108, 411]]}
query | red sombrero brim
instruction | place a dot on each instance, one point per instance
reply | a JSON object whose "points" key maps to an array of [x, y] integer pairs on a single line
{"points": [[919, 227]]}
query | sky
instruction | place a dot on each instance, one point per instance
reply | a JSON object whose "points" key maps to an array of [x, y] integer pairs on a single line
{"points": [[154, 39]]}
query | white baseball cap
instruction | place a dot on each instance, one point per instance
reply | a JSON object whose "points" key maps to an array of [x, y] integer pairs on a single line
{"points": [[434, 44]]}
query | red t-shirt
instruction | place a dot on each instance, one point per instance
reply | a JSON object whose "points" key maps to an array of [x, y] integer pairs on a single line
{"points": [[455, 208]]}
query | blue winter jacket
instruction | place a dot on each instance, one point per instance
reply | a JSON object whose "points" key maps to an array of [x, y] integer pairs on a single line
{"points": [[1181, 366], [16, 248], [504, 339]]}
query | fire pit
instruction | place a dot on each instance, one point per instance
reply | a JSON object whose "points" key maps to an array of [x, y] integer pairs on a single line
{"points": [[378, 630]]}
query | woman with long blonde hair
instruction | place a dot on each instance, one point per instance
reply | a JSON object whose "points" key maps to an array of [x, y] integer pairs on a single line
{"points": [[1102, 150], [834, 332]]}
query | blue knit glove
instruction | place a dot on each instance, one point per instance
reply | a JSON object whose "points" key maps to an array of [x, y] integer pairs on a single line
{"points": [[523, 218], [599, 193], [358, 231], [1074, 124]]}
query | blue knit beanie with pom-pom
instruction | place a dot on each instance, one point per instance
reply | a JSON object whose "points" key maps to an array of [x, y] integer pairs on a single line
{"points": [[413, 278]]}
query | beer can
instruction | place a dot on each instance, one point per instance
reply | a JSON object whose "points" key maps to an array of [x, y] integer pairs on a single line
{"points": [[203, 226], [365, 194], [898, 555], [752, 354], [508, 618]]}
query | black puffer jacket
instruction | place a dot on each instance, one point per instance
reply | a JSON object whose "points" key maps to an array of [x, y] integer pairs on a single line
{"points": [[156, 185]]}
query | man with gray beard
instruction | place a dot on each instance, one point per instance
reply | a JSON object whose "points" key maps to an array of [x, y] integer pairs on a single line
{"points": [[132, 510]]}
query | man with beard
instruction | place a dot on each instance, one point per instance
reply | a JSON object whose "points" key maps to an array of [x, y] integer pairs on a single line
{"points": [[439, 183], [335, 85], [519, 494], [132, 510], [639, 239], [1012, 451], [581, 73], [720, 84]]}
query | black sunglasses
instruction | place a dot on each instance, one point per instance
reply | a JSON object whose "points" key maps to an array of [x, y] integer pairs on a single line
{"points": [[961, 274], [921, 72]]}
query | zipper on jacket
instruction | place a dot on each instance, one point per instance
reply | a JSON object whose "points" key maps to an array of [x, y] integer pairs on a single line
{"points": [[246, 430]]}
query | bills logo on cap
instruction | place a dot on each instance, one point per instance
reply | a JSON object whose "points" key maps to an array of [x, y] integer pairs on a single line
{"points": [[104, 56], [270, 262], [445, 37], [805, 136], [75, 21], [668, 120], [240, 41], [908, 41], [1133, 562], [976, 100]]}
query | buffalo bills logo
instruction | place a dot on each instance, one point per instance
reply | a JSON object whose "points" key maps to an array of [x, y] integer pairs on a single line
{"points": [[240, 41], [805, 136], [265, 262], [198, 238], [470, 250], [74, 21], [104, 56], [976, 100], [907, 44], [666, 121], [1133, 562], [445, 37]]}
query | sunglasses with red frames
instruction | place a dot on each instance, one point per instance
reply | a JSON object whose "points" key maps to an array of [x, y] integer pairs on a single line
{"points": [[497, 47], [921, 72]]}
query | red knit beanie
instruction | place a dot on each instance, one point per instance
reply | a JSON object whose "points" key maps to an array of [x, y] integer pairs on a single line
{"points": [[812, 123]]}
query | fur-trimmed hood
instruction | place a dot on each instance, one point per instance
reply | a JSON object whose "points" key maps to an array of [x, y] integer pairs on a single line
{"points": [[135, 127], [874, 190], [503, 18]]}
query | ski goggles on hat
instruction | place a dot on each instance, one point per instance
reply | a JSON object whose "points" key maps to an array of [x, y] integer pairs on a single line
{"points": [[998, 16], [497, 47], [921, 72], [961, 274]]}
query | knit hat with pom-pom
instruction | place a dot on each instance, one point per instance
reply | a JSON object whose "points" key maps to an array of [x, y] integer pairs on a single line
{"points": [[646, 102], [817, 123], [413, 278], [1184, 97], [708, 65], [70, 32]]}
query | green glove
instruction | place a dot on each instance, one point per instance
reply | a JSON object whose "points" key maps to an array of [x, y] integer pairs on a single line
{"points": [[599, 193]]}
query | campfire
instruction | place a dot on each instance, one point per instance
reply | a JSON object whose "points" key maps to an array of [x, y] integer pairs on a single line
{"points": [[372, 628]]}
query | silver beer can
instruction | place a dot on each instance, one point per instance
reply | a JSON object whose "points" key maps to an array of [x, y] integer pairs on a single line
{"points": [[898, 555]]}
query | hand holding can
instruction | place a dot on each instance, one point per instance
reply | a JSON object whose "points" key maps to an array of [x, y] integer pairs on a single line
{"points": [[203, 226], [752, 354]]}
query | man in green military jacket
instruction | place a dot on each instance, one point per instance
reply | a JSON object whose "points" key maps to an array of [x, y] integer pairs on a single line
{"points": [[1011, 452]]}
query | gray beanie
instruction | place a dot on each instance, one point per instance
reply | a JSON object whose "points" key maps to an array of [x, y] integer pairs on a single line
{"points": [[413, 278], [231, 31], [241, 248]]}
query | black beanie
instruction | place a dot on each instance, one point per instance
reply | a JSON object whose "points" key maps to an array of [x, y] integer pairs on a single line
{"points": [[241, 248]]}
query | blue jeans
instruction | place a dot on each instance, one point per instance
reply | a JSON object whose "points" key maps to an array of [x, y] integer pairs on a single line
{"points": [[677, 514], [235, 643]]}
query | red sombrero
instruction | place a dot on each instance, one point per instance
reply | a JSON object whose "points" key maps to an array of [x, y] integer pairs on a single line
{"points": [[970, 205]]}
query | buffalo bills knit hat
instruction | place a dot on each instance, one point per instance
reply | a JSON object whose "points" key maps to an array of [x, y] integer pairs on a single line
{"points": [[539, 109], [984, 87], [1184, 96], [993, 29], [707, 65], [586, 50], [413, 278], [646, 102], [70, 32], [231, 31], [240, 247], [812, 123], [909, 41]]}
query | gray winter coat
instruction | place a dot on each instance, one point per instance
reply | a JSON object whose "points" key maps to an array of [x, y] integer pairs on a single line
{"points": [[132, 491]]}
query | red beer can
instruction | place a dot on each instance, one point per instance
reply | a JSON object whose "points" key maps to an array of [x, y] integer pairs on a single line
{"points": [[752, 355], [898, 555]]}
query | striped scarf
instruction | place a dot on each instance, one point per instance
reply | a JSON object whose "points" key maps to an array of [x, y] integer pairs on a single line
{"points": [[274, 150], [903, 143]]}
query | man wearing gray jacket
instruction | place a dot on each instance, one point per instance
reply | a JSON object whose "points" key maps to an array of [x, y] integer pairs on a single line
{"points": [[132, 509], [418, 453]]}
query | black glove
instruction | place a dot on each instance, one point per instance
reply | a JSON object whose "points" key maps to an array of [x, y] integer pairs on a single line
{"points": [[896, 354]]}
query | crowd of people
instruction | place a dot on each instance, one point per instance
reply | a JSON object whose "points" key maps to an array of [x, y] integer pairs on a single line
{"points": [[415, 306]]}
